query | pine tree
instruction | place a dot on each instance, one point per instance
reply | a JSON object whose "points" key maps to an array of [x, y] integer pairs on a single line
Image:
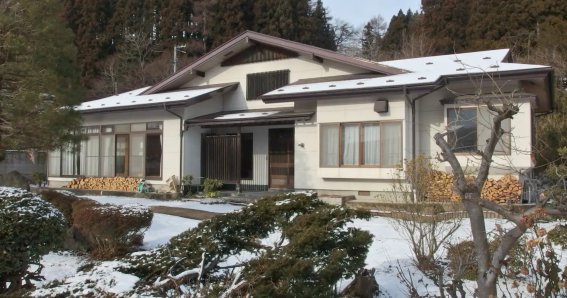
{"points": [[323, 33], [39, 78]]}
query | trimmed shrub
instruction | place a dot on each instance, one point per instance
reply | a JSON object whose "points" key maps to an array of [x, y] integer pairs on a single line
{"points": [[29, 228], [62, 201], [462, 258], [110, 230]]}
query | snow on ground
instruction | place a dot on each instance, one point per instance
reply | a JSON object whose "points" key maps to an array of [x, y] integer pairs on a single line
{"points": [[188, 204], [389, 252], [59, 265], [164, 227]]}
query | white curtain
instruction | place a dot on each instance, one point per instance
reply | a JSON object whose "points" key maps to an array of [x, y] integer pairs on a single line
{"points": [[137, 149], [329, 145], [89, 156], [68, 161], [371, 144], [392, 144], [351, 139], [107, 156], [55, 163]]}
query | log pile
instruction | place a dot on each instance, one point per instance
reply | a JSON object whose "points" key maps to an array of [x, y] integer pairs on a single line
{"points": [[503, 190], [105, 183]]}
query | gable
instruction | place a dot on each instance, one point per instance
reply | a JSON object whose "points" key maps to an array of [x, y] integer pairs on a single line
{"points": [[264, 48], [259, 53]]}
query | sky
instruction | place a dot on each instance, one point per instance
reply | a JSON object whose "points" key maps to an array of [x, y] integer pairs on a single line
{"points": [[358, 12]]}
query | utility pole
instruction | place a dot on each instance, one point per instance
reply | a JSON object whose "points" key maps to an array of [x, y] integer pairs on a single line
{"points": [[175, 49]]}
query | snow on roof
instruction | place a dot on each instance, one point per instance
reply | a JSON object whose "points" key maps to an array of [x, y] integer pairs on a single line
{"points": [[133, 98], [424, 70]]}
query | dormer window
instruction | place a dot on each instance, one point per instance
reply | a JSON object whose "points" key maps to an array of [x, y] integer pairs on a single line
{"points": [[264, 82]]}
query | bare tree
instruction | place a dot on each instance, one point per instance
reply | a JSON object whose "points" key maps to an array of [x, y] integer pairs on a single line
{"points": [[346, 38], [371, 39], [469, 190], [422, 223]]}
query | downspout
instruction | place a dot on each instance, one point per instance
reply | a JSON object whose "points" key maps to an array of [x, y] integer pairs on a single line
{"points": [[412, 102], [181, 131]]}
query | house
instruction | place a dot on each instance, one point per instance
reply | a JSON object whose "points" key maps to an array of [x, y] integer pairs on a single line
{"points": [[261, 112]]}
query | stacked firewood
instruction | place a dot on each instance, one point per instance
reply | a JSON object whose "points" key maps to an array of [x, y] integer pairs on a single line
{"points": [[105, 183], [503, 190]]}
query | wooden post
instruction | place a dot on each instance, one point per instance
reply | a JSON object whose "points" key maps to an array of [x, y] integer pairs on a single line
{"points": [[238, 159]]}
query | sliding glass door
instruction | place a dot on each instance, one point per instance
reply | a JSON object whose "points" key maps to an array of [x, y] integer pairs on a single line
{"points": [[121, 155]]}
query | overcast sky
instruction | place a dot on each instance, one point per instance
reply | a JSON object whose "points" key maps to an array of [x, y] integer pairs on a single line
{"points": [[358, 12]]}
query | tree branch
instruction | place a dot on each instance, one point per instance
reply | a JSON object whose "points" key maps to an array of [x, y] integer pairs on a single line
{"points": [[507, 111], [509, 215], [448, 155]]}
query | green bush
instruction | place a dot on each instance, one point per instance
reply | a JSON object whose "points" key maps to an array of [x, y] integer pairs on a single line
{"points": [[29, 228], [110, 230], [315, 251], [558, 236], [211, 187]]}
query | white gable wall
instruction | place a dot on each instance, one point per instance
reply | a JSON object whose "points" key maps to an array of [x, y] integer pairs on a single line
{"points": [[300, 68]]}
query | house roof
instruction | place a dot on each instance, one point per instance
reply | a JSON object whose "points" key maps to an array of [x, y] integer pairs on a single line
{"points": [[248, 39], [422, 72], [135, 99], [250, 117]]}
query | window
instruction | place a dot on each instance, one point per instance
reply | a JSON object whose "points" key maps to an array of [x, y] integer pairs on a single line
{"points": [[153, 155], [133, 150], [470, 128], [361, 144], [263, 82]]}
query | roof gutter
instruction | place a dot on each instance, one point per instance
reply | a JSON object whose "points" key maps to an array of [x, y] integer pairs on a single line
{"points": [[342, 93]]}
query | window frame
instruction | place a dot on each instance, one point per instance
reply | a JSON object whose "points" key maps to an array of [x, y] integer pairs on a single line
{"points": [[361, 160], [507, 135], [112, 131]]}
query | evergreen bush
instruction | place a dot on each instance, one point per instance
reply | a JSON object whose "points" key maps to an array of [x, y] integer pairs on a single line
{"points": [[558, 236], [315, 250], [29, 228], [211, 187]]}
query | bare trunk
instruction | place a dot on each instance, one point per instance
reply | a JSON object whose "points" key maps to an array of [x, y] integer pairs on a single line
{"points": [[486, 287]]}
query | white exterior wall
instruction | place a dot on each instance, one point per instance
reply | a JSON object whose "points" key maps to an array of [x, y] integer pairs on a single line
{"points": [[308, 174], [299, 67], [433, 119], [170, 133]]}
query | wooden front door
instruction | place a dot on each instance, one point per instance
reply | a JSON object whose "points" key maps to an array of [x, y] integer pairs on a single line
{"points": [[281, 158]]}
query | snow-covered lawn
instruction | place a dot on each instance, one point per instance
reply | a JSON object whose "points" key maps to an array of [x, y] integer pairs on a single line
{"points": [[206, 204], [388, 253]]}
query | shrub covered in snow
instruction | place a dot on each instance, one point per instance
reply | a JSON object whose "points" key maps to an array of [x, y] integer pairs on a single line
{"points": [[110, 230], [313, 250], [29, 228], [62, 201]]}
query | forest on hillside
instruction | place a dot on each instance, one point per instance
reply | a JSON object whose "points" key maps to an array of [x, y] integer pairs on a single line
{"points": [[126, 44], [107, 46]]}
